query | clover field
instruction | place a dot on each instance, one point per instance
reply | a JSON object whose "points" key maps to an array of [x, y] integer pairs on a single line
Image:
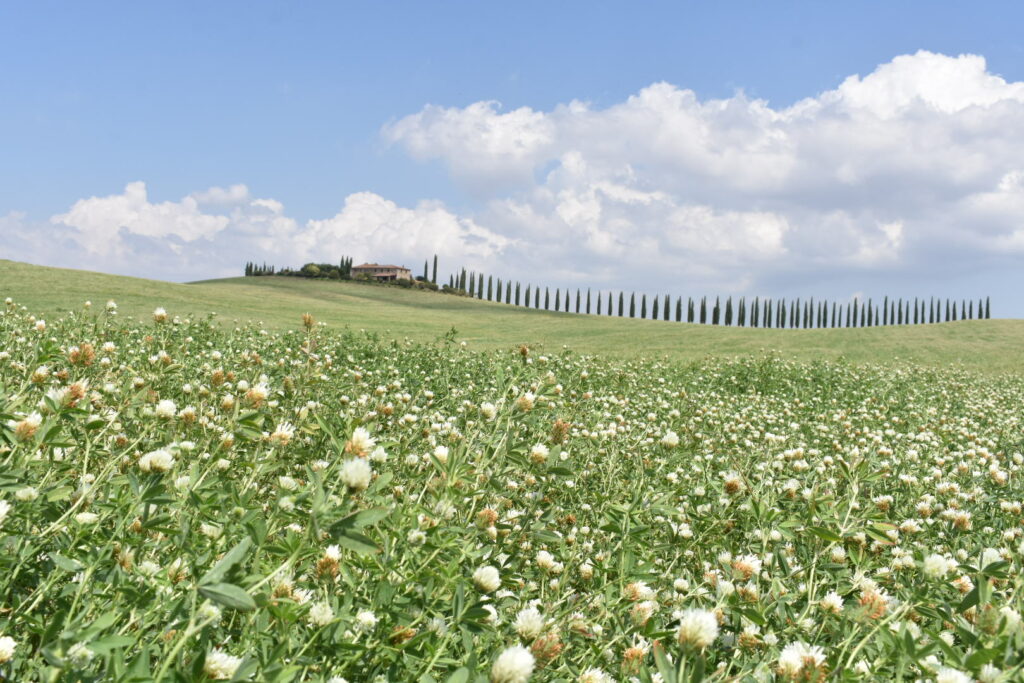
{"points": [[182, 500]]}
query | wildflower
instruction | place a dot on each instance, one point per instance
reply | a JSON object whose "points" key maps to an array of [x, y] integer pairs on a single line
{"points": [[166, 409], [156, 461], [595, 676], [356, 473], [539, 454], [111, 306], [27, 494], [361, 442], [209, 612], [86, 518], [528, 623], [321, 614], [487, 579], [698, 628], [670, 440], [26, 428], [366, 620], [283, 434], [488, 411], [949, 675], [937, 566], [79, 656], [159, 315], [801, 659], [514, 665], [7, 646], [220, 666], [832, 603]]}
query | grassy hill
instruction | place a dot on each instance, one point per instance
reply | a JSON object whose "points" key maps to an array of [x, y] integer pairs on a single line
{"points": [[988, 345]]}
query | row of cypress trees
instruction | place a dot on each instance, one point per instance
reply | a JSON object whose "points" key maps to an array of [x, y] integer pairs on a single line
{"points": [[755, 312]]}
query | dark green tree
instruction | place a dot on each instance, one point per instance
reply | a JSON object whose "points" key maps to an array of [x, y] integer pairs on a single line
{"points": [[547, 299], [588, 302], [679, 309], [716, 313], [632, 305], [703, 310], [622, 310], [728, 312], [433, 278]]}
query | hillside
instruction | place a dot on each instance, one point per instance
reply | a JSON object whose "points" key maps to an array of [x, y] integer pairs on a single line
{"points": [[989, 345]]}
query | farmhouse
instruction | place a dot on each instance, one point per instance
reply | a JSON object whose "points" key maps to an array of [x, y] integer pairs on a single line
{"points": [[382, 272]]}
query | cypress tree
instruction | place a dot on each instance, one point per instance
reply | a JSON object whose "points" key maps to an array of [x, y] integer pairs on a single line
{"points": [[547, 298], [834, 319], [611, 308], [728, 312], [518, 298], [741, 312], [578, 300], [451, 281], [755, 312], [480, 286], [654, 308], [536, 297], [622, 309], [689, 309], [558, 299], [766, 314], [703, 310], [425, 270], [715, 313], [508, 292], [434, 276], [970, 309], [988, 308], [588, 302], [885, 311], [632, 305], [679, 309], [472, 283], [599, 303], [665, 305]]}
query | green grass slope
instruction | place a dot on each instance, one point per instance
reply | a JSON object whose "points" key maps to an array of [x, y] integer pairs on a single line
{"points": [[989, 345]]}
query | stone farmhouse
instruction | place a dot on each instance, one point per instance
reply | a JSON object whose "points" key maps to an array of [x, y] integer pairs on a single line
{"points": [[381, 272]]}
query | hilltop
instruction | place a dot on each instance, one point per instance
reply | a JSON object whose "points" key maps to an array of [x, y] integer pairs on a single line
{"points": [[988, 345]]}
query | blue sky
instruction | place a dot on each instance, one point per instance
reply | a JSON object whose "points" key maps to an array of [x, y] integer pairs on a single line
{"points": [[308, 105]]}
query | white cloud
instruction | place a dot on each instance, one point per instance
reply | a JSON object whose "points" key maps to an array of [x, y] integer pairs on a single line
{"points": [[212, 232], [911, 170], [884, 172]]}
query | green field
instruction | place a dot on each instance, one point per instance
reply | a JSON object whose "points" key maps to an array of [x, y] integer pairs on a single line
{"points": [[990, 345]]}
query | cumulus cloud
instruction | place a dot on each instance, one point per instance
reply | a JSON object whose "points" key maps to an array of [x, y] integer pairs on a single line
{"points": [[211, 233], [888, 171], [914, 170]]}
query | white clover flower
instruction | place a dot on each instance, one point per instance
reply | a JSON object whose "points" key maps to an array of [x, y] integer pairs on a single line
{"points": [[529, 623], [7, 647], [698, 628], [356, 473], [366, 620], [86, 518], [79, 656], [950, 675], [27, 494], [321, 614], [937, 566], [156, 461], [514, 665], [670, 439], [160, 315], [487, 579], [209, 611], [220, 666], [594, 675], [166, 409], [797, 656], [539, 454]]}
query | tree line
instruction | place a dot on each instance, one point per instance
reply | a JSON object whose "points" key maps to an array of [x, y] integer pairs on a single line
{"points": [[740, 311]]}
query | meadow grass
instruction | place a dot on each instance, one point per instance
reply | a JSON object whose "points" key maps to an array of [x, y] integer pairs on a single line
{"points": [[988, 345]]}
